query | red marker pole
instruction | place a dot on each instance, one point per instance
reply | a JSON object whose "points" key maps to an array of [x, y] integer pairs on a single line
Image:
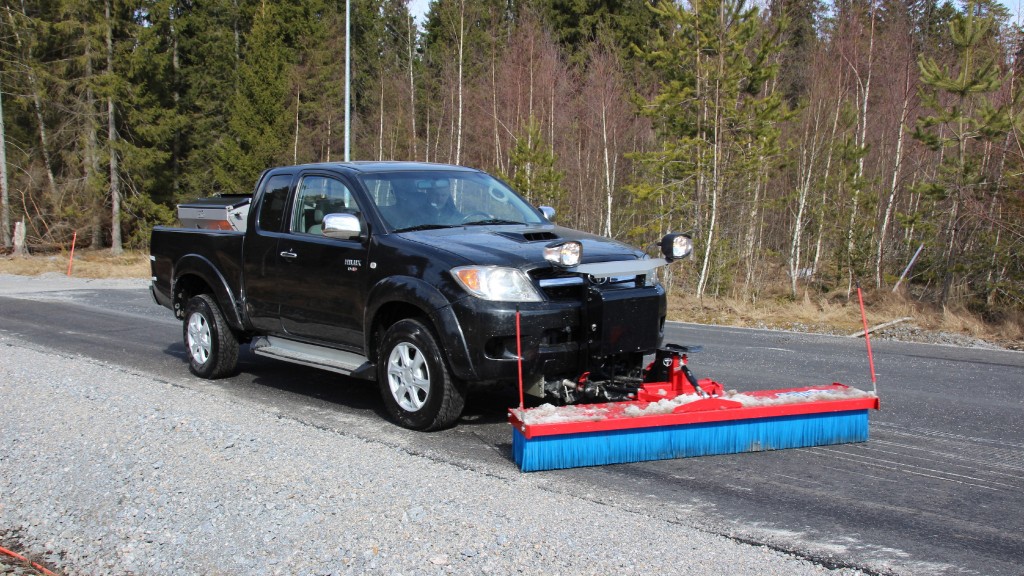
{"points": [[71, 261], [519, 357], [867, 339]]}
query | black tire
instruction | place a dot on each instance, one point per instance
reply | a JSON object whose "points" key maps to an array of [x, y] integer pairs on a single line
{"points": [[418, 390], [210, 344]]}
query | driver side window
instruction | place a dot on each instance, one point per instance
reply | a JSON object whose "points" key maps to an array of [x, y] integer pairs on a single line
{"points": [[317, 197]]}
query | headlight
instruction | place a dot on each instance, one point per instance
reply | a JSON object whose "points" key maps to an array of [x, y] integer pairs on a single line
{"points": [[652, 279], [676, 246], [494, 283], [565, 254]]}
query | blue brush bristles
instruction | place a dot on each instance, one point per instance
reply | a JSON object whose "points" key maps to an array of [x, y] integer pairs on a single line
{"points": [[685, 440]]}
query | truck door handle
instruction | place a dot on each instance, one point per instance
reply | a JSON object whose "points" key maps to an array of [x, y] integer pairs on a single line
{"points": [[289, 254]]}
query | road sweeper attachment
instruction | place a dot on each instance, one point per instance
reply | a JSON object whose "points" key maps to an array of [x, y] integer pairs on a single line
{"points": [[674, 415]]}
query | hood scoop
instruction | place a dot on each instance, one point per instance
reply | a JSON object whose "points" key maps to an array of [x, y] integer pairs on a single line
{"points": [[544, 236]]}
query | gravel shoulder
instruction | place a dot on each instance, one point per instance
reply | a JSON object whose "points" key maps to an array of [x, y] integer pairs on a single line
{"points": [[13, 284], [105, 471]]}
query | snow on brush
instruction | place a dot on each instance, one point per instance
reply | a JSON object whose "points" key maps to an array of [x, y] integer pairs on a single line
{"points": [[799, 396], [549, 414]]}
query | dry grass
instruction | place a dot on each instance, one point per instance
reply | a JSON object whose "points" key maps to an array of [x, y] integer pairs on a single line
{"points": [[835, 314], [88, 264]]}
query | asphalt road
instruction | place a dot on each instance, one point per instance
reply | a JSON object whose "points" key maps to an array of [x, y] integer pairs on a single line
{"points": [[938, 489]]}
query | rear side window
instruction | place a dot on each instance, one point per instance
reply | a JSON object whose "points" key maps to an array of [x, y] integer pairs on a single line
{"points": [[275, 196]]}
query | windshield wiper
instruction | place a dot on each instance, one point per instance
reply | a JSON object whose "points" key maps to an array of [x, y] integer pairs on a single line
{"points": [[426, 227], [492, 221]]}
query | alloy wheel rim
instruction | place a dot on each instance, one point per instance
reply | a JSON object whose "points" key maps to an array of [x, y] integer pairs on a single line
{"points": [[408, 377], [200, 343]]}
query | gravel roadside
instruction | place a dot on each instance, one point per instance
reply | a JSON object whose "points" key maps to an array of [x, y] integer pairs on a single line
{"points": [[105, 471]]}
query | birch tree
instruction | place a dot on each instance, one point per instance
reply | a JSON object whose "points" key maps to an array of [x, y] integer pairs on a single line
{"points": [[5, 195]]}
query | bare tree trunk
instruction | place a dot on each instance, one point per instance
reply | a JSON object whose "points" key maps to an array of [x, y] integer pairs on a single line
{"points": [[808, 160], [412, 92], [890, 203], [954, 212], [115, 178], [824, 188], [717, 172], [295, 143], [37, 107], [755, 207], [609, 176], [453, 128], [951, 237], [426, 141], [92, 157], [861, 143], [462, 40], [176, 98], [498, 160], [915, 203], [5, 195], [437, 136], [380, 130]]}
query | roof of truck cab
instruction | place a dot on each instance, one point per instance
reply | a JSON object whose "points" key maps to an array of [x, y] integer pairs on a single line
{"points": [[372, 167]]}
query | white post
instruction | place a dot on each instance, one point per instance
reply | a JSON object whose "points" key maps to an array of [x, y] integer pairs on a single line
{"points": [[19, 238]]}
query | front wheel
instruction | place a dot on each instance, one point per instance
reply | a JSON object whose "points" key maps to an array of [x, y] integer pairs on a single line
{"points": [[417, 388], [211, 346]]}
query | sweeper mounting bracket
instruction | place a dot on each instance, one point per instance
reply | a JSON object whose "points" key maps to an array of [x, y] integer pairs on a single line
{"points": [[670, 365]]}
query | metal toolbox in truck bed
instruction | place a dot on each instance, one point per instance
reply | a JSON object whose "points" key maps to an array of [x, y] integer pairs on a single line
{"points": [[224, 212]]}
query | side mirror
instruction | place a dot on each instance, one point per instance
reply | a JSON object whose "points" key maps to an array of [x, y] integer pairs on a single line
{"points": [[676, 246], [342, 226], [548, 212]]}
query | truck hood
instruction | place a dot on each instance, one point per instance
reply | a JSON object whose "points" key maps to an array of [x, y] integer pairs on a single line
{"points": [[518, 246]]}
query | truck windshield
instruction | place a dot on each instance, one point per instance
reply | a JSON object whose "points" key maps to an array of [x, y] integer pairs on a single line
{"points": [[438, 199]]}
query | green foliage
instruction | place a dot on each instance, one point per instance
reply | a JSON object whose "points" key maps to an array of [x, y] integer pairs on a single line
{"points": [[715, 118], [624, 24], [258, 111], [799, 21], [963, 117], [532, 170], [143, 214], [208, 94]]}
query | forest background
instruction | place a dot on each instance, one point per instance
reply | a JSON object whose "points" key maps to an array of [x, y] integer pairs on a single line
{"points": [[807, 146]]}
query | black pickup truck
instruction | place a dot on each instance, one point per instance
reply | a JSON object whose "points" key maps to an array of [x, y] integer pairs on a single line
{"points": [[429, 279]]}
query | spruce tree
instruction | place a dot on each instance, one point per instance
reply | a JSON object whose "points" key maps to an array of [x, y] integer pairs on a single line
{"points": [[963, 116], [258, 112], [532, 170]]}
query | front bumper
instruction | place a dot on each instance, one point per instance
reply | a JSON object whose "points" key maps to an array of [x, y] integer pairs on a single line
{"points": [[559, 338]]}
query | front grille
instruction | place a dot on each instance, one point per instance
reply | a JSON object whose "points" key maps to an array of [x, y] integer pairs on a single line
{"points": [[557, 284]]}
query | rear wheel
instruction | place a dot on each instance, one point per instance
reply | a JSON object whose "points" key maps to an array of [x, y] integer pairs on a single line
{"points": [[212, 347], [418, 390]]}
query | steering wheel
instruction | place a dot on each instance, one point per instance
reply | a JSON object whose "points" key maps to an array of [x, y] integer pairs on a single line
{"points": [[471, 215]]}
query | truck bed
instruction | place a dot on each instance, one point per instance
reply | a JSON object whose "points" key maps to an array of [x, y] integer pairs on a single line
{"points": [[221, 248]]}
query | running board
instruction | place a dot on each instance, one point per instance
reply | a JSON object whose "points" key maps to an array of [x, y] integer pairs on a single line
{"points": [[340, 361]]}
